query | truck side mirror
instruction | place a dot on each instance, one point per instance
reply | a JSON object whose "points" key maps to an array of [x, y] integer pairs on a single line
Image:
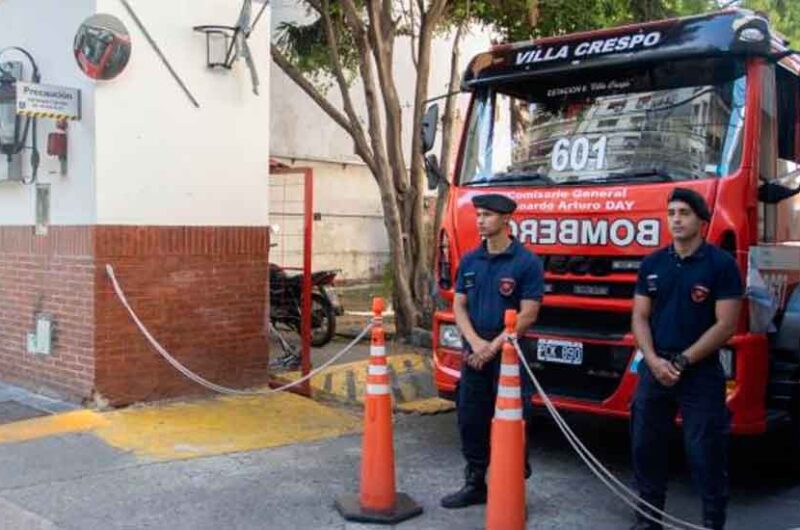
{"points": [[429, 122], [773, 193], [434, 173]]}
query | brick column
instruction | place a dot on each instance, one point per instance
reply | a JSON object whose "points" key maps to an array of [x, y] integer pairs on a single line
{"points": [[53, 275], [201, 291]]}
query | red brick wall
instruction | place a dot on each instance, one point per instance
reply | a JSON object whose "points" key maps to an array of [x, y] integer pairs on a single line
{"points": [[51, 274], [200, 291]]}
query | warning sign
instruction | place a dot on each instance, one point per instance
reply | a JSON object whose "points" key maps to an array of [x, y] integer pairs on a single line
{"points": [[48, 101]]}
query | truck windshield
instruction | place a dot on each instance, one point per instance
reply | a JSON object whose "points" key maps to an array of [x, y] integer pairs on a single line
{"points": [[679, 120]]}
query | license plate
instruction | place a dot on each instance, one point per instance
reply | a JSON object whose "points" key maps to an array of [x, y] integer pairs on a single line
{"points": [[559, 351]]}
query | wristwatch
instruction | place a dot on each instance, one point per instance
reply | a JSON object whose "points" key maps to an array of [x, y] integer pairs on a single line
{"points": [[680, 361]]}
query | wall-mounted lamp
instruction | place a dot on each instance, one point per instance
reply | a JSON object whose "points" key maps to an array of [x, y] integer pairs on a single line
{"points": [[225, 44], [219, 45]]}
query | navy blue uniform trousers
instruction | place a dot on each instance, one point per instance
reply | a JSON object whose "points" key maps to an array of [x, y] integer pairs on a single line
{"points": [[699, 395], [475, 402]]}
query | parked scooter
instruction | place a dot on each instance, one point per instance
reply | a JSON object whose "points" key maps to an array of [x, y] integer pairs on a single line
{"points": [[285, 291]]}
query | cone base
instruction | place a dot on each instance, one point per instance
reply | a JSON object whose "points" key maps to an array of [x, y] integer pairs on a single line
{"points": [[404, 508]]}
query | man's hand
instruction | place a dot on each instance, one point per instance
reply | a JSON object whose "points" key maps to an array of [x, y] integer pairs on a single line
{"points": [[478, 359], [480, 350], [664, 371], [497, 343]]}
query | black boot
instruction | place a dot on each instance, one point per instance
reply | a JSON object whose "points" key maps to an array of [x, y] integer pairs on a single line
{"points": [[473, 492], [714, 517]]}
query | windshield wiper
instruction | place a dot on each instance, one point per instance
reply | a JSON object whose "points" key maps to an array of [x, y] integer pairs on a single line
{"points": [[515, 176], [624, 176]]}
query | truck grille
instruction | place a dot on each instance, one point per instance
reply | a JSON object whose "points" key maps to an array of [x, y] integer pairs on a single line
{"points": [[592, 265], [595, 289], [569, 322]]}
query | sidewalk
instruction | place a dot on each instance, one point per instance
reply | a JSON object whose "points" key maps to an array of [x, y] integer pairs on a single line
{"points": [[196, 428], [18, 403], [77, 481]]}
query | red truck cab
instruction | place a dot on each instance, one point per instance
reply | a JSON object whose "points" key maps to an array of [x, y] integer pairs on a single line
{"points": [[589, 133]]}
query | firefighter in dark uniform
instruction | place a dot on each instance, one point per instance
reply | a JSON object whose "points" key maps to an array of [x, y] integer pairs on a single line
{"points": [[686, 307], [500, 274]]}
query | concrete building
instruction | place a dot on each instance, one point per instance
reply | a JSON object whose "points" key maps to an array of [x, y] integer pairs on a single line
{"points": [[172, 196]]}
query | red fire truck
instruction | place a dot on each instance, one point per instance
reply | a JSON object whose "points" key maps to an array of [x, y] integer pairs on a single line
{"points": [[589, 133]]}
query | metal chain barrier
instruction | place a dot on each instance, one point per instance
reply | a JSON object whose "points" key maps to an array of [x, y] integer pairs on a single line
{"points": [[204, 382], [619, 489]]}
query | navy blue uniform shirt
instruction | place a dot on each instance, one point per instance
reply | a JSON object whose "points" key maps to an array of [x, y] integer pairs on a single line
{"points": [[684, 292], [496, 282]]}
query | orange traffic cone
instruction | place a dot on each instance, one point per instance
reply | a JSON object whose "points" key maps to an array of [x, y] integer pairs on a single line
{"points": [[505, 509], [377, 501]]}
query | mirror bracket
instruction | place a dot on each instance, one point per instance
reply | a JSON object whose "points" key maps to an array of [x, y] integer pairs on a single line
{"points": [[434, 173], [428, 129]]}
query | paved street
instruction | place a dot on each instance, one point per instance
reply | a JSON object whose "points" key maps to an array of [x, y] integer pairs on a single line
{"points": [[79, 482]]}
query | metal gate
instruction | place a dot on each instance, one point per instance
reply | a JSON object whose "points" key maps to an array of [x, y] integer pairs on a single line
{"points": [[291, 199]]}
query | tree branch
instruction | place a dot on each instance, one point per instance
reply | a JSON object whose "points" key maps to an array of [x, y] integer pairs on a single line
{"points": [[413, 37], [335, 114], [316, 5], [383, 54], [368, 80], [428, 22], [333, 45], [387, 22]]}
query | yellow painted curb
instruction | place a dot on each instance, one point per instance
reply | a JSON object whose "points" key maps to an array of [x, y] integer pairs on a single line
{"points": [[223, 425], [68, 422], [411, 375]]}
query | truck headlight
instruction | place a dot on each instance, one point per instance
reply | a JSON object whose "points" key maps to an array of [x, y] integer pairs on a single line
{"points": [[450, 337], [727, 359]]}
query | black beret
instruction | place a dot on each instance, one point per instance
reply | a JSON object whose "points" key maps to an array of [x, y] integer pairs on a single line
{"points": [[494, 202], [695, 201]]}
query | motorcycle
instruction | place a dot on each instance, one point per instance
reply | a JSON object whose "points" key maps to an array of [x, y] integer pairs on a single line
{"points": [[285, 292]]}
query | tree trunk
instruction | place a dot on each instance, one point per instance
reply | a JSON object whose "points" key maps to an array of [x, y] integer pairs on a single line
{"points": [[421, 271], [448, 123], [405, 308]]}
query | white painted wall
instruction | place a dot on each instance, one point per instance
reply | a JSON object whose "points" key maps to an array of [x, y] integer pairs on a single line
{"points": [[46, 28], [349, 234], [141, 153], [160, 161]]}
